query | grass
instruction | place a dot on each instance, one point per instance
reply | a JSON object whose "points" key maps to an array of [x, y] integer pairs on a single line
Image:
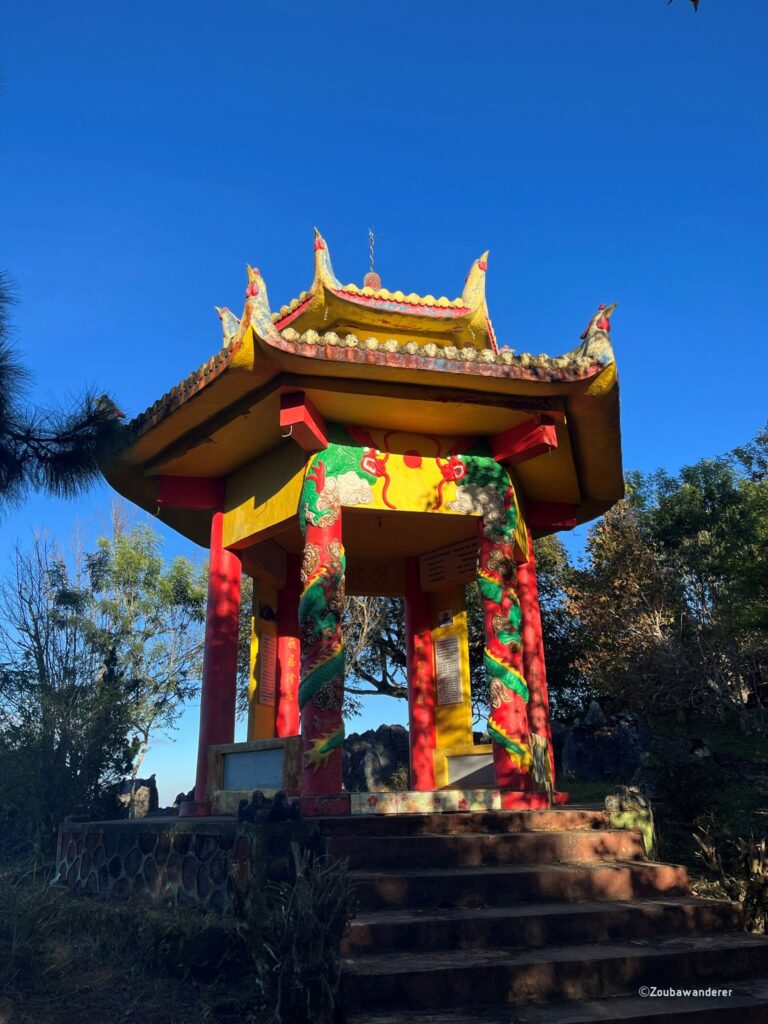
{"points": [[726, 739], [68, 960], [586, 792]]}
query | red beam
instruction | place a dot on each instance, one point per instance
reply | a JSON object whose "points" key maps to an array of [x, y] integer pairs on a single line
{"points": [[301, 421], [527, 440], [197, 492], [550, 515]]}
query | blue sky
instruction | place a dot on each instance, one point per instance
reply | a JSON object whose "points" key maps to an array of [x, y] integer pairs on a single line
{"points": [[604, 150]]}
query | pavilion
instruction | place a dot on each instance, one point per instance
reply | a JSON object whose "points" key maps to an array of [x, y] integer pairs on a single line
{"points": [[372, 442]]}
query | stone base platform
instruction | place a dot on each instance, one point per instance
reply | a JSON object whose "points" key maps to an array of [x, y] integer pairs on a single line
{"points": [[198, 861], [177, 861], [443, 801]]}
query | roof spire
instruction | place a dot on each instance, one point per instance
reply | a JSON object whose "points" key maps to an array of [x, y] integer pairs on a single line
{"points": [[371, 279]]}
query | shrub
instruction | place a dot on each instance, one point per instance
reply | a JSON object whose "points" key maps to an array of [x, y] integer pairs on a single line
{"points": [[741, 876], [294, 931]]}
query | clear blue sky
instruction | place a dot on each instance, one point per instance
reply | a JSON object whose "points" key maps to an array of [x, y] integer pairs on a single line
{"points": [[604, 150]]}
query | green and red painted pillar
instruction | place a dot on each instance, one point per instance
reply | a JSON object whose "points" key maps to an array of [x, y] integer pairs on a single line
{"points": [[508, 689], [321, 693], [534, 669]]}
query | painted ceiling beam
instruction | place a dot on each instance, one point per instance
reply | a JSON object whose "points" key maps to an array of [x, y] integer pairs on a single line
{"points": [[301, 421], [527, 440], [192, 492]]}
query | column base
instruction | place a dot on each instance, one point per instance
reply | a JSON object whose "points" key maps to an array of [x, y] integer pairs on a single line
{"points": [[318, 806], [516, 800], [195, 809]]}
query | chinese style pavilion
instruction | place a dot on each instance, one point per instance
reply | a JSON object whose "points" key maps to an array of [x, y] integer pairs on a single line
{"points": [[366, 440]]}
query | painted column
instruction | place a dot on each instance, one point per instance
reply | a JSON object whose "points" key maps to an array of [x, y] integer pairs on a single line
{"points": [[262, 689], [508, 721], [288, 653], [321, 692], [421, 679], [534, 667], [218, 694]]}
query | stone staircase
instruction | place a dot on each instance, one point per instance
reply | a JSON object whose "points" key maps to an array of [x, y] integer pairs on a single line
{"points": [[530, 917]]}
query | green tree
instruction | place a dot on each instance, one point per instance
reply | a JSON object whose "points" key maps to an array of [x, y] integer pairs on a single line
{"points": [[673, 599], [54, 451], [151, 614], [626, 606], [96, 654]]}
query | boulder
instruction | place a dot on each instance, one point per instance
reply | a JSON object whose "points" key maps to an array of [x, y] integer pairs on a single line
{"points": [[138, 797], [605, 748], [371, 758], [559, 736], [595, 716]]}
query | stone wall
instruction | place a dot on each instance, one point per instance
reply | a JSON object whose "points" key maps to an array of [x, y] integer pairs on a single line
{"points": [[177, 861]]}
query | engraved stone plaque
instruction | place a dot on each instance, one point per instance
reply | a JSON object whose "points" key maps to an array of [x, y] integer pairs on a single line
{"points": [[267, 668], [448, 669]]}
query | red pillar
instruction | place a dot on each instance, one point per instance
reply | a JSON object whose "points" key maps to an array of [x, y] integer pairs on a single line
{"points": [[421, 679], [534, 665], [288, 653], [217, 698]]}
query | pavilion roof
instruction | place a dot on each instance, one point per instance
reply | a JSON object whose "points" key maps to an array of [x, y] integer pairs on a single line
{"points": [[437, 327], [384, 356]]}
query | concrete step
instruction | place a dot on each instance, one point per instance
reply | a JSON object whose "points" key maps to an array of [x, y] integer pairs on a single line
{"points": [[748, 1004], [538, 924], [502, 886], [470, 849], [557, 819], [471, 978]]}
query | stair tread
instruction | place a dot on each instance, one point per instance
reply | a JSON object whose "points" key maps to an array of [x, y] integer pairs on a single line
{"points": [[414, 962], [362, 874], [533, 820], [524, 909], [427, 836], [747, 994]]}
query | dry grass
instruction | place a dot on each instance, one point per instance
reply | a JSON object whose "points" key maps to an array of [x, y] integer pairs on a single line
{"points": [[65, 960], [74, 960]]}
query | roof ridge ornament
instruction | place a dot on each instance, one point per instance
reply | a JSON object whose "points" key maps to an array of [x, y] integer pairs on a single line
{"points": [[324, 275], [473, 294], [601, 321], [230, 325], [256, 313], [596, 339]]}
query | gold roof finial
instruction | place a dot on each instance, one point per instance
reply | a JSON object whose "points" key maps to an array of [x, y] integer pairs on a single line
{"points": [[371, 279]]}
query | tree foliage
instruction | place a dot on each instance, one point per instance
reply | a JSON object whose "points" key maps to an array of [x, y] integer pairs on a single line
{"points": [[374, 635], [672, 602], [51, 450], [96, 654]]}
